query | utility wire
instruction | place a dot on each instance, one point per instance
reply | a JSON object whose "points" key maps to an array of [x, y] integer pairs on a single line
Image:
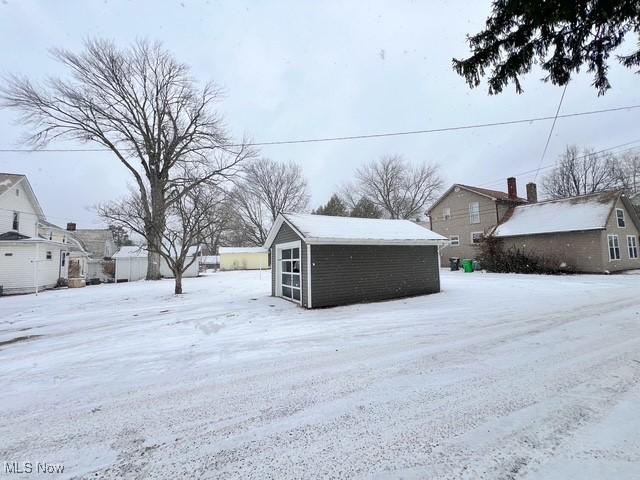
{"points": [[546, 145], [357, 137], [581, 157]]}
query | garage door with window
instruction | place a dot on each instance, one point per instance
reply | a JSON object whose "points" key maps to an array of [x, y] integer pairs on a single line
{"points": [[289, 271]]}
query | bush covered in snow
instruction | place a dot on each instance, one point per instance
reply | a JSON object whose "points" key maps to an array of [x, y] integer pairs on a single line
{"points": [[495, 258]]}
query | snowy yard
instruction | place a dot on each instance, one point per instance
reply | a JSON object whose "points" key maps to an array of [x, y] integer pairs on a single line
{"points": [[499, 376]]}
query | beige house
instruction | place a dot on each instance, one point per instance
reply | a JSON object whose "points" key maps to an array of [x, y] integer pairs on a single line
{"points": [[243, 258], [595, 233], [464, 214]]}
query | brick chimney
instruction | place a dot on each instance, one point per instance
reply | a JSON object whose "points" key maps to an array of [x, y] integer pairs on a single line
{"points": [[71, 227], [532, 192], [512, 188]]}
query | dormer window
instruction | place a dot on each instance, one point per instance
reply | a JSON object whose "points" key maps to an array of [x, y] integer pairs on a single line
{"points": [[16, 221], [620, 217]]}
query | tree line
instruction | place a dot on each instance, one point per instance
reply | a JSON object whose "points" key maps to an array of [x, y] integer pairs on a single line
{"points": [[585, 171]]}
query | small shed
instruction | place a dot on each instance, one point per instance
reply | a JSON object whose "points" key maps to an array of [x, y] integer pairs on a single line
{"points": [[243, 258], [323, 261]]}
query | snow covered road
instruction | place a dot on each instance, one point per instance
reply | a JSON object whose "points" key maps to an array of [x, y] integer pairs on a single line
{"points": [[499, 376]]}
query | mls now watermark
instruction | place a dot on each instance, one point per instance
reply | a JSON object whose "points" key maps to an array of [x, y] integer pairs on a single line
{"points": [[33, 467]]}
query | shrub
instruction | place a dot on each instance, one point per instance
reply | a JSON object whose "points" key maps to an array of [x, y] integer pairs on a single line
{"points": [[62, 282], [494, 258]]}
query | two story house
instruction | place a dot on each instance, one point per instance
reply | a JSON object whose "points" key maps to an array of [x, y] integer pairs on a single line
{"points": [[464, 214], [30, 258]]}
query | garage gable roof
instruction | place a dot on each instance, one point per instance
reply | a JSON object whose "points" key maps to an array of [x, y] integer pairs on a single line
{"points": [[328, 230]]}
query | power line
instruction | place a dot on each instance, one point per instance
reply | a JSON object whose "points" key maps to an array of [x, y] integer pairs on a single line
{"points": [[357, 137], [581, 157], [546, 145]]}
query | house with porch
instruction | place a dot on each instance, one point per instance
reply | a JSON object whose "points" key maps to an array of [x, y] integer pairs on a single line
{"points": [[31, 258]]}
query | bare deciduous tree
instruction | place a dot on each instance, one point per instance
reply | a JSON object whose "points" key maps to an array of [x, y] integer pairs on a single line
{"points": [[142, 105], [629, 172], [582, 174], [189, 222], [401, 189], [267, 189]]}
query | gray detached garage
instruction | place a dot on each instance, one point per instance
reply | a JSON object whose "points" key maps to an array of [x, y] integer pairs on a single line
{"points": [[323, 261]]}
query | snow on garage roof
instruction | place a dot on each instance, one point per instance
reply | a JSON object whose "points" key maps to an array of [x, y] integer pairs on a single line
{"points": [[229, 250], [324, 229], [588, 212]]}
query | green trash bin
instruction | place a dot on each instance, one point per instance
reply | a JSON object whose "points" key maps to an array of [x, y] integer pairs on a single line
{"points": [[467, 265]]}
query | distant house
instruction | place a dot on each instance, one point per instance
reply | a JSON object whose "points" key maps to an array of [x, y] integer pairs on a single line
{"points": [[29, 258], [131, 264], [594, 233], [464, 214], [323, 261], [76, 253], [100, 246], [243, 258]]}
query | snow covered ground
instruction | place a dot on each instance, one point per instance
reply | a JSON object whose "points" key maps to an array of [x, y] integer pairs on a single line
{"points": [[499, 376]]}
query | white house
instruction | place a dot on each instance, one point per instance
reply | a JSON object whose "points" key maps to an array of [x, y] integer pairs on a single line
{"points": [[29, 259], [131, 264]]}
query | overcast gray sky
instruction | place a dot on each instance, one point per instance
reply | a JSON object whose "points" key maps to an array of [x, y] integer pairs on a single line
{"points": [[296, 69]]}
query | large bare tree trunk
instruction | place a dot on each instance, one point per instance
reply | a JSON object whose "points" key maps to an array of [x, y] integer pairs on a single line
{"points": [[154, 230], [153, 265]]}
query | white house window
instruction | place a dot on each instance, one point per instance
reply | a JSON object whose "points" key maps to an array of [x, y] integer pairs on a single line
{"points": [[8, 254], [620, 217], [455, 240], [632, 243], [476, 237], [16, 221], [290, 272], [446, 214], [474, 212], [614, 247], [49, 256], [17, 192]]}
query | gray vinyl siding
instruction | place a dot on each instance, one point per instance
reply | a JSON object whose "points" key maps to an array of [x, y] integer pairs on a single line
{"points": [[343, 274], [578, 250], [286, 235]]}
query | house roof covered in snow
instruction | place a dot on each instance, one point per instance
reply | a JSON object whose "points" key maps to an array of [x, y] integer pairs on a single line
{"points": [[94, 240], [231, 250], [324, 229], [587, 212]]}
